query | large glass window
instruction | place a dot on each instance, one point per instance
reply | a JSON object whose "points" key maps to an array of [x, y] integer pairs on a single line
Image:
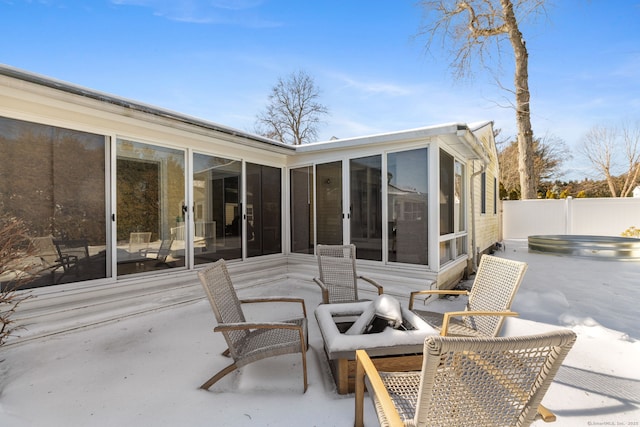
{"points": [[264, 210], [216, 211], [407, 189], [366, 206], [302, 240], [329, 210], [459, 204], [447, 192], [483, 192], [151, 210], [460, 209], [452, 209], [54, 180], [495, 196]]}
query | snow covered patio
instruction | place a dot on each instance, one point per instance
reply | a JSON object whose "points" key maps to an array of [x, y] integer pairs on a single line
{"points": [[145, 370]]}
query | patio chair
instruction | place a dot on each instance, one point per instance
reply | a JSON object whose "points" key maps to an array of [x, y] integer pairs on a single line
{"points": [[73, 255], [138, 242], [160, 254], [490, 298], [338, 278], [250, 341], [467, 381], [47, 254]]}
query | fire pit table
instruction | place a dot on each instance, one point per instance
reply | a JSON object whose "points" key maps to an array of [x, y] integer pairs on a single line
{"points": [[391, 350]]}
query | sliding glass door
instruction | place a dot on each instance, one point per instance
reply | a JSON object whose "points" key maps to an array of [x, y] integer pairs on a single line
{"points": [[53, 180], [329, 216], [264, 210], [216, 209], [151, 210], [407, 190], [365, 213], [302, 206]]}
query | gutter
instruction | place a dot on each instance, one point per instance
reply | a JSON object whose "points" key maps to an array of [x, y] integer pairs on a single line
{"points": [[465, 134], [472, 142], [473, 213]]}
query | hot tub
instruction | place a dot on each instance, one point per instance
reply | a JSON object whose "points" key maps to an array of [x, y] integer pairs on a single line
{"points": [[600, 247]]}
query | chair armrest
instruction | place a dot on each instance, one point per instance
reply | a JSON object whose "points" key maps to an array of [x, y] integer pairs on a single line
{"points": [[325, 290], [413, 294], [546, 415], [364, 366], [447, 316], [225, 327], [276, 299], [373, 282]]}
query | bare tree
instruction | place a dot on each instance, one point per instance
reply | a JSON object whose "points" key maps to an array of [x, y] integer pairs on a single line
{"points": [[15, 247], [602, 147], [293, 113], [479, 28], [549, 154]]}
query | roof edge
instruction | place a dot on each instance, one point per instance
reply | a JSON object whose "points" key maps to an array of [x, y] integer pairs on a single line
{"points": [[77, 90]]}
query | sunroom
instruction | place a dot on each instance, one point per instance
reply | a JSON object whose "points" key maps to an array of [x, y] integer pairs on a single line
{"points": [[119, 195]]}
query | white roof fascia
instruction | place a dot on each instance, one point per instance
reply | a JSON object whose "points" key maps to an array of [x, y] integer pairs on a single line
{"points": [[462, 131], [382, 138], [146, 109], [467, 136]]}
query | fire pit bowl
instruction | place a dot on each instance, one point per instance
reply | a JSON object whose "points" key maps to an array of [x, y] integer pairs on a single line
{"points": [[392, 349]]}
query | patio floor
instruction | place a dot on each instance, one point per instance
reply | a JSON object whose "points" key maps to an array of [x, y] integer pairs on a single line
{"points": [[145, 370]]}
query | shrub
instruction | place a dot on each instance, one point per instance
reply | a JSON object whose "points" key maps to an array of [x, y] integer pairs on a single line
{"points": [[632, 232], [15, 245]]}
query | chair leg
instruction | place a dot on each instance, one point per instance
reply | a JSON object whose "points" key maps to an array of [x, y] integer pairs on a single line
{"points": [[226, 353], [211, 381], [304, 368], [359, 390], [304, 346]]}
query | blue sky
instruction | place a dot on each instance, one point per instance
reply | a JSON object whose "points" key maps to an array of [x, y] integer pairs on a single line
{"points": [[218, 60]]}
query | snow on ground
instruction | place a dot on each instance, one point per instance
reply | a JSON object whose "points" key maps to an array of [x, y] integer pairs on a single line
{"points": [[145, 370]]}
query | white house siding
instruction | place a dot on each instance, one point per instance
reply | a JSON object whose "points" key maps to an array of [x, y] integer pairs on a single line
{"points": [[487, 229]]}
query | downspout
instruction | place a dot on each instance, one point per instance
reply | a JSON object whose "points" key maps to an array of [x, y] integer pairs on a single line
{"points": [[473, 214], [465, 134]]}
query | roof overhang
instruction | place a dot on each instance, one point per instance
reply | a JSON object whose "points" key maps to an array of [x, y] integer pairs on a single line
{"points": [[458, 136], [134, 106]]}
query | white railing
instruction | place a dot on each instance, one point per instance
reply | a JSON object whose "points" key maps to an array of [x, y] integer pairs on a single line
{"points": [[591, 216]]}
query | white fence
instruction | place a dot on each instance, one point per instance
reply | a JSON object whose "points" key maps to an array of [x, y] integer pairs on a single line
{"points": [[596, 217]]}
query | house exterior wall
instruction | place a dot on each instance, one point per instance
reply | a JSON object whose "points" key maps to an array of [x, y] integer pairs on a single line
{"points": [[487, 224], [77, 109]]}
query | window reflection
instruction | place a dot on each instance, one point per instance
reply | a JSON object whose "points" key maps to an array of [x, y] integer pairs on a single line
{"points": [[446, 194], [329, 194], [302, 240], [407, 186], [264, 210], [216, 193], [151, 203], [366, 206], [452, 209], [54, 180]]}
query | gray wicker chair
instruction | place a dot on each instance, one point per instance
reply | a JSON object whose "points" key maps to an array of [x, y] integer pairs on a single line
{"points": [[467, 381], [490, 298], [337, 274], [250, 341]]}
